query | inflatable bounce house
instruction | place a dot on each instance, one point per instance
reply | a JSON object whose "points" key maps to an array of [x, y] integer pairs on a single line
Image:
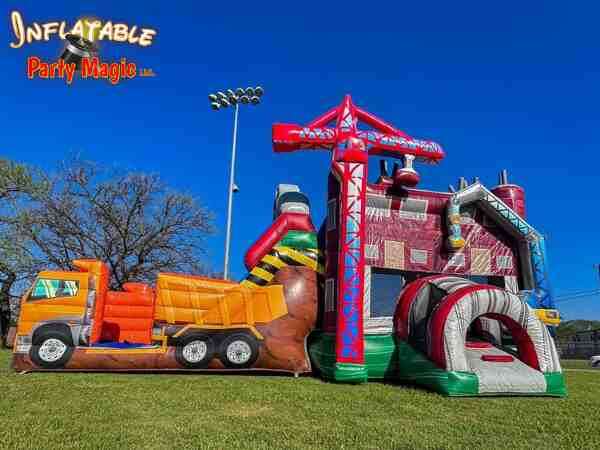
{"points": [[447, 290]]}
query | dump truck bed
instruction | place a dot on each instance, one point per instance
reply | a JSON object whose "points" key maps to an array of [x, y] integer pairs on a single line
{"points": [[189, 299]]}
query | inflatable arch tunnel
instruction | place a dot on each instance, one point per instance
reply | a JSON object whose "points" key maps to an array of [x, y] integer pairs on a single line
{"points": [[437, 320]]}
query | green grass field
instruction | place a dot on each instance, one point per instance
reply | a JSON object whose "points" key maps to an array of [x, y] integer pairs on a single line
{"points": [[61, 410], [576, 364]]}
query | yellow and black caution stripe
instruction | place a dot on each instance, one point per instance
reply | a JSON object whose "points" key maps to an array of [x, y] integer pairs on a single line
{"points": [[279, 257]]}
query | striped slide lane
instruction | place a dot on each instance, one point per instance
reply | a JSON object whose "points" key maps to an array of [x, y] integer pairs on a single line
{"points": [[278, 257]]}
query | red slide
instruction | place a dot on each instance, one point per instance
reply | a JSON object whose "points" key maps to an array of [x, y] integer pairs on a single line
{"points": [[278, 229]]}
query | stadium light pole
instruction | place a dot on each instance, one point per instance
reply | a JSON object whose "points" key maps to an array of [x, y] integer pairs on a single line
{"points": [[218, 101]]}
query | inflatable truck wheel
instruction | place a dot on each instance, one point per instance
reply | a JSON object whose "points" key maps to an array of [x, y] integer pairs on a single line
{"points": [[51, 349], [195, 351], [238, 351]]}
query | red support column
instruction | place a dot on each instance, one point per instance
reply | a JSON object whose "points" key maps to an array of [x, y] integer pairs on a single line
{"points": [[350, 161]]}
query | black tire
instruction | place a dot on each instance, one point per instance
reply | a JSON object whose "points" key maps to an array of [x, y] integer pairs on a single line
{"points": [[195, 356], [51, 349], [238, 351]]}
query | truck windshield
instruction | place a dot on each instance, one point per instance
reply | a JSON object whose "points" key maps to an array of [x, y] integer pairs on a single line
{"points": [[46, 288]]}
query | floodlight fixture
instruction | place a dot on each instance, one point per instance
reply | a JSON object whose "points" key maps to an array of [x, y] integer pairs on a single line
{"points": [[220, 100]]}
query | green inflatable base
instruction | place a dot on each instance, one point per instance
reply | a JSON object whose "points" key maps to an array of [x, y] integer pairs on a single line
{"points": [[350, 373], [387, 358], [322, 353]]}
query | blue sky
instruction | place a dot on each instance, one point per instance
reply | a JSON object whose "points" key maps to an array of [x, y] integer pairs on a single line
{"points": [[509, 85]]}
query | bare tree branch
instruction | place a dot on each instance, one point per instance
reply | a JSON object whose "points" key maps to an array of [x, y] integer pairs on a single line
{"points": [[131, 221]]}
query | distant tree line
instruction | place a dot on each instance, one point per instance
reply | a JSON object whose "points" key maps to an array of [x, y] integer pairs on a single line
{"points": [[132, 221], [569, 328]]}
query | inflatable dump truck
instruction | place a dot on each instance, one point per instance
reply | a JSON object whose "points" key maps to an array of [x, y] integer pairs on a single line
{"points": [[200, 318], [71, 320]]}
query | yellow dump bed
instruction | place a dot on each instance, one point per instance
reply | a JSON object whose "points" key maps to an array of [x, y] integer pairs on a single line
{"points": [[189, 299]]}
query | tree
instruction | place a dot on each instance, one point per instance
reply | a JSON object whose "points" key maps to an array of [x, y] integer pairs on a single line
{"points": [[131, 221], [16, 262]]}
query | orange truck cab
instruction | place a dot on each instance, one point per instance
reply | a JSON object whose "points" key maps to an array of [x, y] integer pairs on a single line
{"points": [[201, 318]]}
